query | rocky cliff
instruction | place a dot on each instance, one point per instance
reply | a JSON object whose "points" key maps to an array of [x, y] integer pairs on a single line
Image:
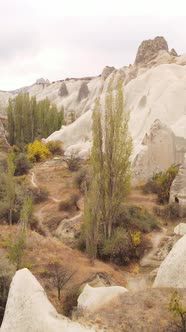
{"points": [[154, 89]]}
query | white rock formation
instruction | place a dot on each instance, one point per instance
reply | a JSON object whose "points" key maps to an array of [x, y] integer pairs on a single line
{"points": [[68, 228], [76, 137], [92, 298], [158, 151], [172, 272], [180, 229], [29, 310], [151, 96], [154, 89], [178, 188]]}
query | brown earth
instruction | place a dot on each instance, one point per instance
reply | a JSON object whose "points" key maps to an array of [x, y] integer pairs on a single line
{"points": [[143, 311]]}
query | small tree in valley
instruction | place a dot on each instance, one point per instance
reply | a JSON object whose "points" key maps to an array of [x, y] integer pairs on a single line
{"points": [[60, 276]]}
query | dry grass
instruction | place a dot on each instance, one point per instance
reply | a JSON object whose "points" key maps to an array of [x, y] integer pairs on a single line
{"points": [[144, 311], [41, 251]]}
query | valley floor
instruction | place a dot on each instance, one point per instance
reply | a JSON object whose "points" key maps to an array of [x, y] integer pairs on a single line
{"points": [[138, 310]]}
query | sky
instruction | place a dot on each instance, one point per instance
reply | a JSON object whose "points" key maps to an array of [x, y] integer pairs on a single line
{"points": [[56, 39]]}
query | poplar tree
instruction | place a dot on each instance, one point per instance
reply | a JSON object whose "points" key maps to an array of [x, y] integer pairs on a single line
{"points": [[94, 197], [10, 186], [110, 162], [117, 151]]}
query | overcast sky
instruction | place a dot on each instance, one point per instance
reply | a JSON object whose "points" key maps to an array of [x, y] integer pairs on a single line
{"points": [[56, 39]]}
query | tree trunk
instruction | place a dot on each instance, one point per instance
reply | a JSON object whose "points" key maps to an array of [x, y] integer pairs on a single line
{"points": [[10, 216], [59, 293]]}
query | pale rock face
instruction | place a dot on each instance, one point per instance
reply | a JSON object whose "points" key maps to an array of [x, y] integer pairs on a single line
{"points": [[158, 153], [69, 228], [107, 71], [154, 88], [180, 229], [28, 309], [92, 298], [149, 49], [154, 95], [172, 272], [178, 188], [76, 137]]}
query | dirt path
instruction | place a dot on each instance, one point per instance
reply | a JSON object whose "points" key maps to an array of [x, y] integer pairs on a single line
{"points": [[33, 180]]}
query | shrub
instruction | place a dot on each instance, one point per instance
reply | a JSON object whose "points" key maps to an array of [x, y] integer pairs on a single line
{"points": [[6, 273], [38, 195], [59, 275], [160, 184], [22, 164], [82, 179], [55, 147], [73, 162], [37, 226], [69, 203], [70, 300], [37, 151], [170, 211], [119, 249], [137, 218], [178, 311], [16, 250]]}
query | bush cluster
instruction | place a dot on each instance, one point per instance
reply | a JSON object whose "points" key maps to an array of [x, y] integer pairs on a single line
{"points": [[170, 211], [6, 273], [69, 203], [22, 164], [38, 195], [137, 218], [160, 184], [37, 151], [70, 300], [73, 162], [55, 147], [119, 249], [82, 179]]}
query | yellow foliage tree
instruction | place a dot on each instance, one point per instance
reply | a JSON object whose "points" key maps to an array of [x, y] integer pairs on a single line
{"points": [[37, 151]]}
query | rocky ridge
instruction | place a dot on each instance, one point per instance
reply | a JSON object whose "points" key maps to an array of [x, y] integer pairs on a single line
{"points": [[154, 87]]}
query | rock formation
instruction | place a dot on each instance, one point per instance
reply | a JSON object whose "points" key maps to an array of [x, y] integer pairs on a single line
{"points": [[158, 152], [107, 71], [63, 92], [178, 188], [149, 49], [92, 298], [28, 309], [172, 272], [42, 81], [68, 229], [180, 229], [154, 87], [83, 92]]}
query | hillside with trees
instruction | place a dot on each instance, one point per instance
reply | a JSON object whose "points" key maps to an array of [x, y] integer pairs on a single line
{"points": [[29, 119]]}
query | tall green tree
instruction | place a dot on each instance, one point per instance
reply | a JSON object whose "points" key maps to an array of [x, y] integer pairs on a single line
{"points": [[10, 186], [110, 161], [117, 151], [26, 213], [29, 120]]}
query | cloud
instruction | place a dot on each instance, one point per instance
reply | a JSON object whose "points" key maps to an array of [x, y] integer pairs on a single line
{"points": [[38, 38]]}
